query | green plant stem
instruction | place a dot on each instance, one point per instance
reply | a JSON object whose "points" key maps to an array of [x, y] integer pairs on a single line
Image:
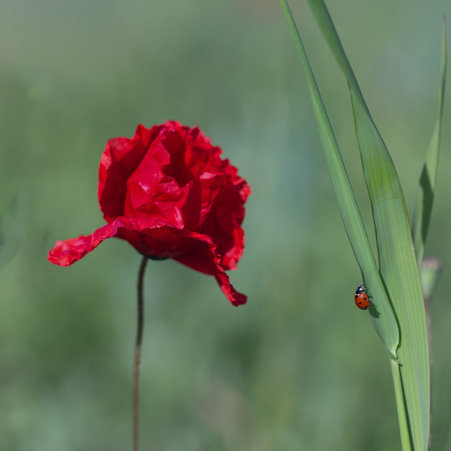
{"points": [[138, 347], [406, 438]]}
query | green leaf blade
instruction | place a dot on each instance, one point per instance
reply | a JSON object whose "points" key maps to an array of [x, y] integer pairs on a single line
{"points": [[399, 271], [397, 260], [426, 191], [380, 310]]}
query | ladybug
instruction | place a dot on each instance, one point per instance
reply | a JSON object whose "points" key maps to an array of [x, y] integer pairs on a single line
{"points": [[361, 298]]}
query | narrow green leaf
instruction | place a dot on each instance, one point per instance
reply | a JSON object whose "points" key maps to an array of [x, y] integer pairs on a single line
{"points": [[425, 198], [399, 272], [380, 310], [397, 260]]}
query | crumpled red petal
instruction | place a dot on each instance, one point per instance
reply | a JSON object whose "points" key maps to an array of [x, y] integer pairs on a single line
{"points": [[152, 193], [153, 238], [118, 162]]}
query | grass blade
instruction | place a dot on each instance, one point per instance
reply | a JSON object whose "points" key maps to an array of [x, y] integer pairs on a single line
{"points": [[425, 198], [397, 260], [380, 310]]}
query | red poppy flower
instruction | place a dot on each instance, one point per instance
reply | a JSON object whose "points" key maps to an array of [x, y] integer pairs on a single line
{"points": [[170, 195]]}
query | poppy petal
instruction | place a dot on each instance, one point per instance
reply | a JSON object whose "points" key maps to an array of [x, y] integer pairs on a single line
{"points": [[155, 239], [119, 160], [67, 252], [204, 258]]}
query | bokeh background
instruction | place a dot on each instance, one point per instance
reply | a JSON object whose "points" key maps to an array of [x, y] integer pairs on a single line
{"points": [[298, 367]]}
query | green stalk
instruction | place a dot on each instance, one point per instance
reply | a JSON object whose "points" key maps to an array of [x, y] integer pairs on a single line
{"points": [[401, 406]]}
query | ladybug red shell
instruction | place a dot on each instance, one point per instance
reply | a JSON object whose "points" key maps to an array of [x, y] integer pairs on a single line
{"points": [[361, 298]]}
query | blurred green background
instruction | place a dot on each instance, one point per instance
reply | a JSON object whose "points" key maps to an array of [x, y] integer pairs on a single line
{"points": [[299, 367]]}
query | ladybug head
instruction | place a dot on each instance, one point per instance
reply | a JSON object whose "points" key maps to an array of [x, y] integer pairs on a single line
{"points": [[360, 290]]}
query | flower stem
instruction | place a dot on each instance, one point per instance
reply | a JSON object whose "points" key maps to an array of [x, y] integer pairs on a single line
{"points": [[138, 346]]}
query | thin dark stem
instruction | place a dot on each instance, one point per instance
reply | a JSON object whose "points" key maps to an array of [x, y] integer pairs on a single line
{"points": [[138, 346]]}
